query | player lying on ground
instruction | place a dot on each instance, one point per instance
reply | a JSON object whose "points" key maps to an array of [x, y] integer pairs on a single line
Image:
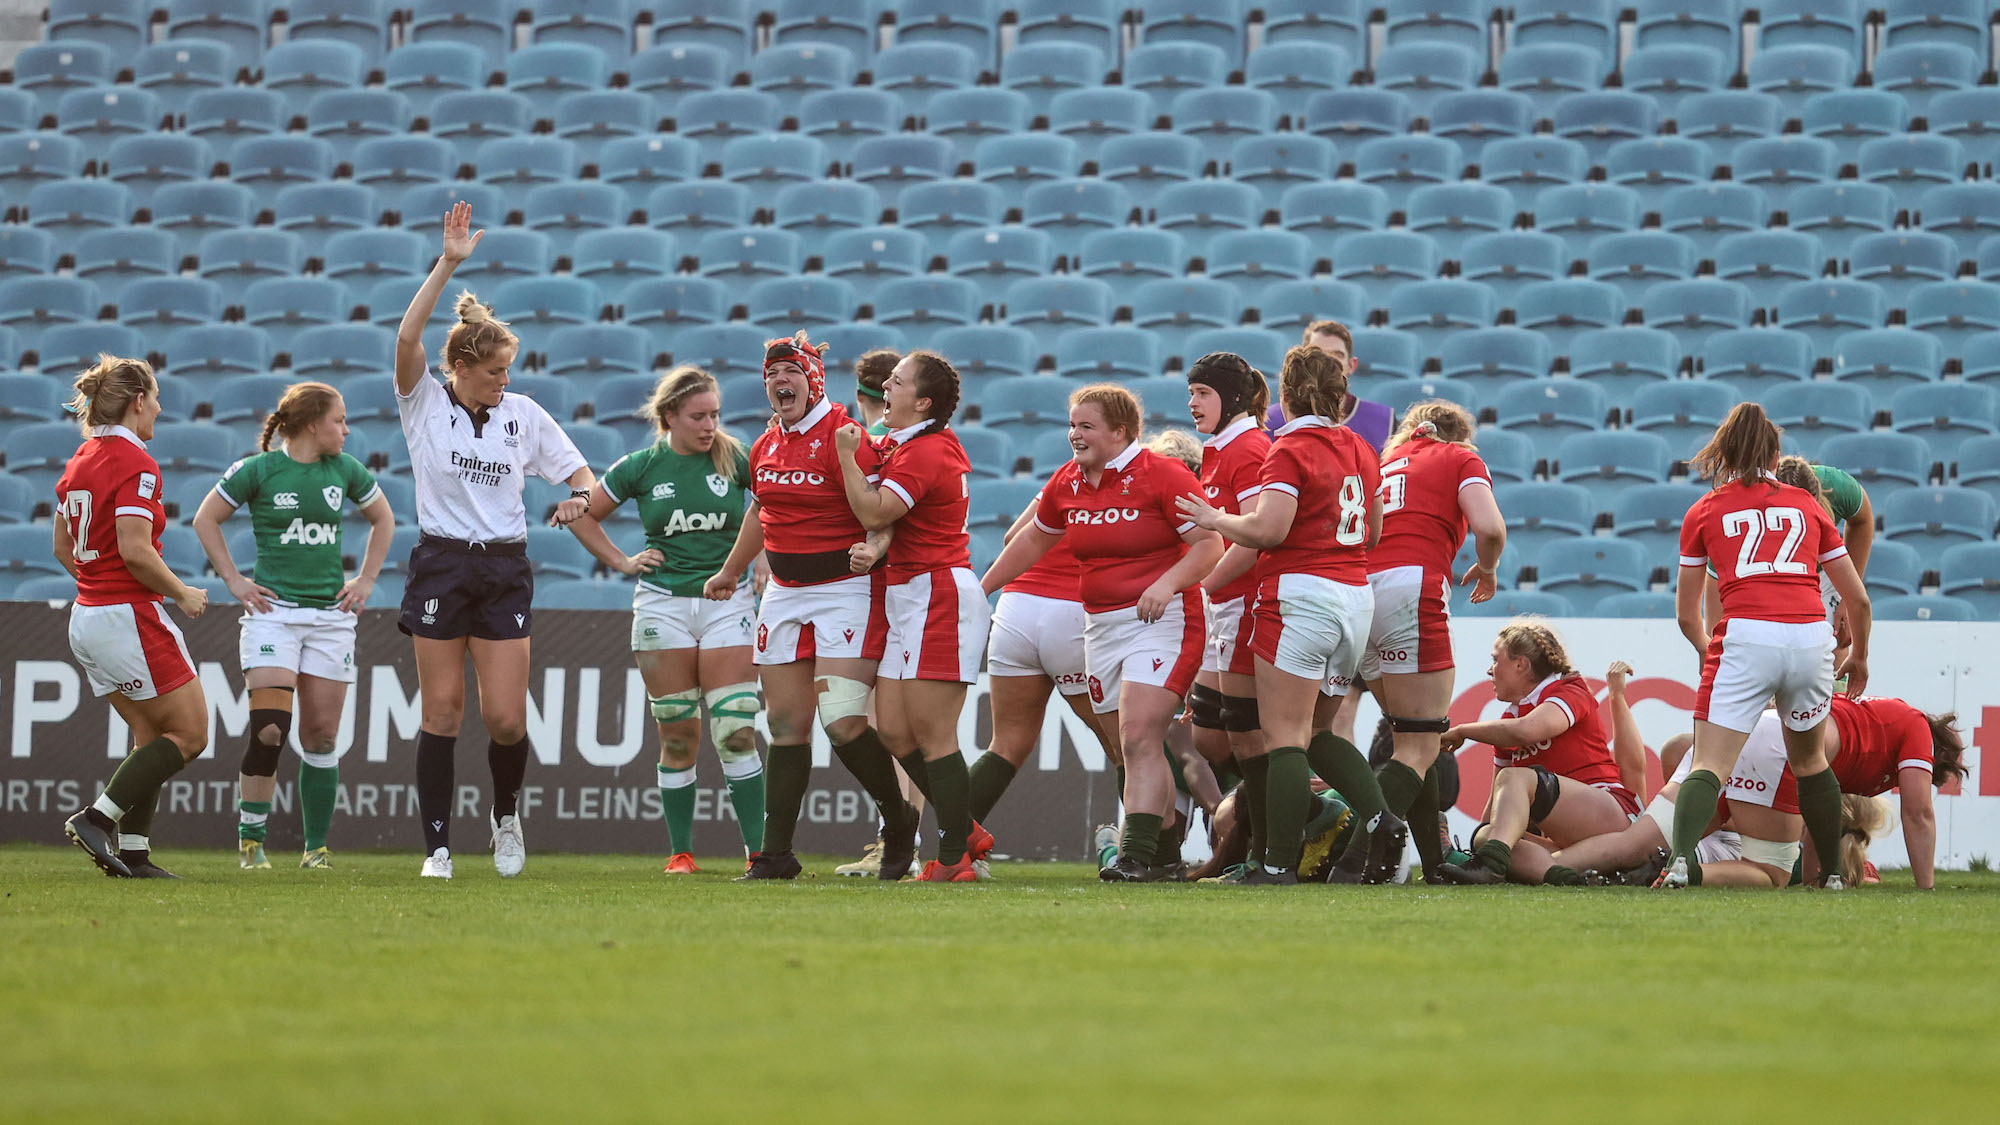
{"points": [[693, 653], [297, 632]]}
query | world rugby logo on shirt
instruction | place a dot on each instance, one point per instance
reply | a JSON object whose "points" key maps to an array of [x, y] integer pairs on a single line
{"points": [[513, 438], [285, 500], [718, 484]]}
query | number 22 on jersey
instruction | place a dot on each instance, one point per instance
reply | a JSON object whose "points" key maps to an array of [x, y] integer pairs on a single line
{"points": [[1752, 525]]}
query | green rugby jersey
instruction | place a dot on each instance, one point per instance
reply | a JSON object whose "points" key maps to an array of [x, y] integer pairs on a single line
{"points": [[295, 512], [1843, 492], [692, 513]]}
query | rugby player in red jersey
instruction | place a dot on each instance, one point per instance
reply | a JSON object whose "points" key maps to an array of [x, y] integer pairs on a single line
{"points": [[1142, 565], [1768, 542], [107, 535], [937, 614]]}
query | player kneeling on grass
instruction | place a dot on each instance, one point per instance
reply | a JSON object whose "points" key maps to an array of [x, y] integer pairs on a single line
{"points": [[297, 632], [938, 616], [107, 535], [693, 653], [1554, 774]]}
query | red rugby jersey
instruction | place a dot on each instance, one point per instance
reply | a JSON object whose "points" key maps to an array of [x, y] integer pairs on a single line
{"points": [[1232, 467], [1879, 738], [1581, 753], [1766, 541], [1125, 529], [795, 477], [1332, 472], [109, 476], [1054, 575], [1422, 524], [927, 472]]}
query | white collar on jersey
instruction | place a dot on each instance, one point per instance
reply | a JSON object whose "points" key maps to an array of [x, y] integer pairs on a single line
{"points": [[117, 431], [1302, 422], [1117, 464], [908, 432], [1231, 432], [811, 419], [1534, 698]]}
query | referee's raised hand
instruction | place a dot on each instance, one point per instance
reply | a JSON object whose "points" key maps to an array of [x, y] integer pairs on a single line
{"points": [[459, 237]]}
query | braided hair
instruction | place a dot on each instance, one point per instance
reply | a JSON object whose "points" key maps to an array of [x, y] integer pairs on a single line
{"points": [[1532, 639], [938, 381], [302, 405]]}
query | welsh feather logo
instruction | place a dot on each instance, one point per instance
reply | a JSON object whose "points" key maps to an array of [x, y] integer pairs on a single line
{"points": [[718, 484], [332, 494]]}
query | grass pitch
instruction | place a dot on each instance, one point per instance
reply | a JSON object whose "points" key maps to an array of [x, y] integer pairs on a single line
{"points": [[594, 988]]}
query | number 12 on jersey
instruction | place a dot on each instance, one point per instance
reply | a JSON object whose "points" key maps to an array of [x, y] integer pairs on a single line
{"points": [[1752, 524]]}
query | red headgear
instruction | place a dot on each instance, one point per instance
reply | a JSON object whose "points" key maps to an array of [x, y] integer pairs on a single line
{"points": [[790, 350]]}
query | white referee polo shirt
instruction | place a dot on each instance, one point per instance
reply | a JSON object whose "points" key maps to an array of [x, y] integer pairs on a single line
{"points": [[470, 468]]}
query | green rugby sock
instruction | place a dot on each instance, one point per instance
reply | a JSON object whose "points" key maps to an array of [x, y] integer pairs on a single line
{"points": [[1250, 802], [1172, 836], [1693, 809], [318, 788], [988, 777], [1559, 876], [1345, 769], [1819, 804], [746, 797], [1287, 802], [137, 781], [788, 774], [253, 820], [677, 793], [949, 796], [1423, 821], [1498, 857], [872, 765], [1400, 786], [1142, 838]]}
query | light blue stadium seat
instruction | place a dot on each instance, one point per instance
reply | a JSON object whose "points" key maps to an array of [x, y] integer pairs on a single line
{"points": [[1399, 397], [1924, 607], [1685, 413], [1056, 303], [1510, 458], [1588, 570], [26, 250], [1543, 73], [1340, 23], [1980, 360], [566, 212], [966, 117], [734, 354], [1024, 403], [1164, 71], [1635, 262], [1490, 358], [343, 351], [1217, 23], [1978, 466], [1602, 119], [1819, 23], [1579, 214], [1970, 572], [867, 256], [914, 73], [505, 254], [848, 25], [981, 351], [1673, 74], [1710, 24], [1119, 353], [1967, 23], [713, 118], [971, 24], [1779, 167], [1945, 414], [1162, 400], [1912, 162], [1967, 213], [1433, 310], [50, 70], [725, 25], [941, 209], [1586, 23], [1847, 119], [1252, 261], [422, 209], [821, 210], [546, 303], [1969, 116], [1476, 118], [424, 72], [998, 256], [1291, 306], [597, 351], [1653, 165], [1887, 465], [1639, 604], [594, 119], [1349, 116], [1560, 310], [361, 259], [999, 503], [345, 118], [1882, 361], [97, 116], [1920, 72], [1894, 570], [113, 257], [121, 27], [748, 254], [1401, 165], [841, 119], [1955, 311], [1329, 210], [1620, 361], [285, 307], [67, 349], [1708, 213], [546, 72], [895, 163], [236, 260], [481, 26], [692, 210], [1550, 409], [1766, 261], [1932, 519], [266, 165], [1611, 462], [1176, 308], [1294, 72], [176, 71], [920, 304], [297, 70], [1424, 72], [638, 165], [990, 452], [671, 69], [1202, 210], [165, 303], [781, 305], [1463, 22], [581, 593], [25, 556], [1727, 119], [32, 305], [665, 306], [17, 499], [1385, 257], [1839, 214], [1219, 117], [68, 209], [240, 404], [1041, 70], [1651, 516], [604, 26], [1813, 412], [1794, 75], [1277, 162], [31, 398], [1752, 361], [556, 554], [1510, 258], [193, 446], [361, 24], [30, 160], [1449, 214], [1014, 164], [36, 454], [525, 162]]}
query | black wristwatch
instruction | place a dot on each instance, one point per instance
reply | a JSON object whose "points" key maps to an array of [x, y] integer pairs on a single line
{"points": [[579, 494]]}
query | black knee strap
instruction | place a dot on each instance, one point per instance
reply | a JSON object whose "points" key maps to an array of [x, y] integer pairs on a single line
{"points": [[259, 758], [1401, 725], [1205, 707], [1548, 787], [1239, 714]]}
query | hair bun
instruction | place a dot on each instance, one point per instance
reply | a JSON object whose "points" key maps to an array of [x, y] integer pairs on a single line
{"points": [[471, 311]]}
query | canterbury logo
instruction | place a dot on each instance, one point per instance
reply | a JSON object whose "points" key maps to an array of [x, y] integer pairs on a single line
{"points": [[1108, 515]]}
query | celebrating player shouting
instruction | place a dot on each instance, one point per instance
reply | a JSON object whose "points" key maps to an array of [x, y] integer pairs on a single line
{"points": [[820, 631], [937, 615], [1142, 564], [1310, 527], [694, 654], [1768, 541], [107, 535], [297, 632]]}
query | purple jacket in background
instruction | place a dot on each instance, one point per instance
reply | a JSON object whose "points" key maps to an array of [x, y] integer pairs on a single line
{"points": [[1371, 420]]}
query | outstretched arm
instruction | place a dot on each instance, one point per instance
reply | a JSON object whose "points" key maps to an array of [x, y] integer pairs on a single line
{"points": [[459, 240]]}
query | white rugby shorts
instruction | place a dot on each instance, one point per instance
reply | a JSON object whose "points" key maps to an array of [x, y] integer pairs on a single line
{"points": [[132, 648], [1750, 662], [1034, 635], [311, 642], [1118, 648], [840, 620], [663, 621], [937, 627]]}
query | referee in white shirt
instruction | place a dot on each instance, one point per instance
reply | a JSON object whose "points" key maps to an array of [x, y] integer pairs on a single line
{"points": [[471, 447]]}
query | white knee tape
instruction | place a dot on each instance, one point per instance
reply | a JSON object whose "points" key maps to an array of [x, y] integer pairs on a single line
{"points": [[841, 698], [731, 711], [1771, 852], [1660, 811], [325, 761], [677, 706]]}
